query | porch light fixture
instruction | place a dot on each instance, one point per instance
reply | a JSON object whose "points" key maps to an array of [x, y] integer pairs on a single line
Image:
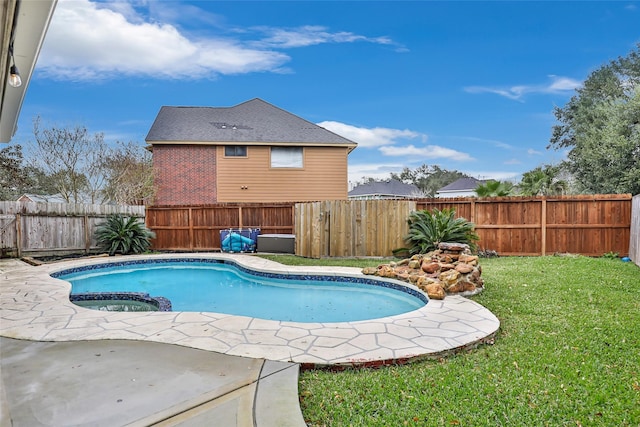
{"points": [[14, 76]]}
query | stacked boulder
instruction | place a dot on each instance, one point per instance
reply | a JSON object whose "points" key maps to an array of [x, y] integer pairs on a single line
{"points": [[450, 269]]}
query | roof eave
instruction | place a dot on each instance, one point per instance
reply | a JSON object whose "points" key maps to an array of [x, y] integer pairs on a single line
{"points": [[31, 21], [351, 147]]}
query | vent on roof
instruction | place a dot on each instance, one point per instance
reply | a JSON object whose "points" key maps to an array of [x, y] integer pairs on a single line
{"points": [[223, 125]]}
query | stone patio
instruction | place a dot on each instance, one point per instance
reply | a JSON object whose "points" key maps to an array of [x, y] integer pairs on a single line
{"points": [[36, 307]]}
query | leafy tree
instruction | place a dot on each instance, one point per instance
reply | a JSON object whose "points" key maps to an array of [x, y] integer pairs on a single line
{"points": [[17, 177], [427, 229], [119, 234], [130, 174], [428, 178], [39, 182], [543, 181], [13, 177], [493, 188], [600, 126]]}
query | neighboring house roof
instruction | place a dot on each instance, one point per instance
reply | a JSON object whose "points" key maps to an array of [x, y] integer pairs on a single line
{"points": [[253, 122], [55, 198], [461, 184], [389, 188], [23, 25]]}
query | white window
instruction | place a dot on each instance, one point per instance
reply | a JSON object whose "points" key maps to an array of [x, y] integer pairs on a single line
{"points": [[286, 157]]}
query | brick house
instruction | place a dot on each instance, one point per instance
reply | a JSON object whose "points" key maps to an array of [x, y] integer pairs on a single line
{"points": [[251, 152]]}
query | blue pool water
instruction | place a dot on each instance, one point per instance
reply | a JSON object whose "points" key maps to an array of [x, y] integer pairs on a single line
{"points": [[223, 287]]}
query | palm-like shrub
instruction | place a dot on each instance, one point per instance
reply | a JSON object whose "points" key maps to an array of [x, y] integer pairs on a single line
{"points": [[494, 188], [543, 181], [119, 234], [429, 228]]}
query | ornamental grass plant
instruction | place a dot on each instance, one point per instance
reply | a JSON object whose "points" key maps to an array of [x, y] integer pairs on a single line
{"points": [[567, 354]]}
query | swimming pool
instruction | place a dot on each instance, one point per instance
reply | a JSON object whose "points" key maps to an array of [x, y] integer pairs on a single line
{"points": [[222, 286]]}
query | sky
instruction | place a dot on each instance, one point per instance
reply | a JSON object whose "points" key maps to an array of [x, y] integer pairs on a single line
{"points": [[465, 85]]}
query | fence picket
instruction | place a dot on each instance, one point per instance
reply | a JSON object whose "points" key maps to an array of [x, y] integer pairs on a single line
{"points": [[634, 244], [587, 224], [54, 228]]}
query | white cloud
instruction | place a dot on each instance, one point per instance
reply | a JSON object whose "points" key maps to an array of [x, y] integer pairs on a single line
{"points": [[379, 171], [513, 162], [371, 137], [83, 43], [558, 85], [497, 175], [561, 84], [309, 35], [533, 152], [97, 41], [426, 152], [494, 142]]}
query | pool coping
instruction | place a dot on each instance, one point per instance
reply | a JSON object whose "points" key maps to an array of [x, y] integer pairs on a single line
{"points": [[36, 306]]}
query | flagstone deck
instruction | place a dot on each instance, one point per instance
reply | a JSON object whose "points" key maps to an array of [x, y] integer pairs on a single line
{"points": [[36, 306]]}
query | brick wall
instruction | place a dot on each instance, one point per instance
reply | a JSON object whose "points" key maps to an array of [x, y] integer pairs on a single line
{"points": [[185, 174]]}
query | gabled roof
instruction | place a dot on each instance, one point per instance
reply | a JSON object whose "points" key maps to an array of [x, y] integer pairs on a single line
{"points": [[253, 122], [462, 184], [54, 198], [390, 187]]}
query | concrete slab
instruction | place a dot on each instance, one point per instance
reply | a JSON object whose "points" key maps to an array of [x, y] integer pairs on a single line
{"points": [[277, 388], [116, 382]]}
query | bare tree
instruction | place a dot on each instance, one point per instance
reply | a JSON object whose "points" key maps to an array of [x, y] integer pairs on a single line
{"points": [[73, 159], [130, 174]]}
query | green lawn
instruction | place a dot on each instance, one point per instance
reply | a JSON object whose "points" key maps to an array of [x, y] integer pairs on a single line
{"points": [[567, 354]]}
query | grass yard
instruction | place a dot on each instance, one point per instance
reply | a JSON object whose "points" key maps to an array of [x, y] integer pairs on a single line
{"points": [[567, 354]]}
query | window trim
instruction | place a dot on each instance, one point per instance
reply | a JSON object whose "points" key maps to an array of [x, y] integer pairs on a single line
{"points": [[296, 166], [246, 151]]}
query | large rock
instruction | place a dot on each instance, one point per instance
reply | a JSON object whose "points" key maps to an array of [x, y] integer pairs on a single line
{"points": [[449, 277], [435, 291], [430, 267], [464, 268], [453, 247], [449, 269]]}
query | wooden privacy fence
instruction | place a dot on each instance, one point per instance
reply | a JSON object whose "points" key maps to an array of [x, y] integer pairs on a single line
{"points": [[585, 224], [197, 228], [634, 244], [351, 228], [36, 228], [590, 225]]}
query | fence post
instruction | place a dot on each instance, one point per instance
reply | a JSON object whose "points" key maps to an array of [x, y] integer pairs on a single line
{"points": [[87, 235], [473, 211], [19, 235], [543, 227], [191, 242]]}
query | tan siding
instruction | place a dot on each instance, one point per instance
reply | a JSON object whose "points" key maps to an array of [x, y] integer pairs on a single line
{"points": [[323, 177]]}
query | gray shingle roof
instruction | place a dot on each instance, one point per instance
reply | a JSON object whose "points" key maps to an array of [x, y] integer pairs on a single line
{"points": [[391, 187], [462, 184], [254, 121], [54, 198]]}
